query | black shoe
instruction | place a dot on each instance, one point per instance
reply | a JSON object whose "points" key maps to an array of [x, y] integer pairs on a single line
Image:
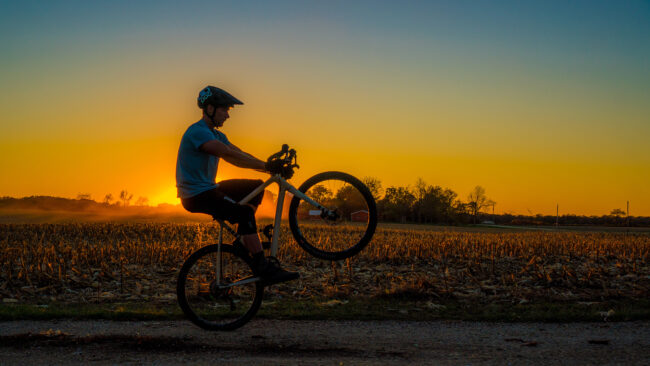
{"points": [[272, 273]]}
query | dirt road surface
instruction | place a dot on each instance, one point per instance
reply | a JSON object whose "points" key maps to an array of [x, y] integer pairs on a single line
{"points": [[282, 342]]}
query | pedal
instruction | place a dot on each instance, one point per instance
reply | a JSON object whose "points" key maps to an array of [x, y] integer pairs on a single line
{"points": [[266, 245]]}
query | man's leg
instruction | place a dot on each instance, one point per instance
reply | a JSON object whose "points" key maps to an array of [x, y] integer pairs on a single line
{"points": [[269, 269], [237, 189], [252, 241]]}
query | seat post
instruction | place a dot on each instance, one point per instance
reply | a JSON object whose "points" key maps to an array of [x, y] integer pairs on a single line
{"points": [[218, 264]]}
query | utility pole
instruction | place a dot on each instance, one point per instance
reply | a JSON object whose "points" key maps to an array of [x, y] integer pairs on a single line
{"points": [[557, 215], [628, 214]]}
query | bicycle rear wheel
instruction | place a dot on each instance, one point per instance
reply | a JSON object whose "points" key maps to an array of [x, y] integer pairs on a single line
{"points": [[224, 304], [347, 224]]}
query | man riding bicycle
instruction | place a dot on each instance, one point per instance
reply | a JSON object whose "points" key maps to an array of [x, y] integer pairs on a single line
{"points": [[201, 148]]}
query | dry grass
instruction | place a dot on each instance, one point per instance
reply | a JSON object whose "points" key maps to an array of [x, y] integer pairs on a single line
{"points": [[105, 262]]}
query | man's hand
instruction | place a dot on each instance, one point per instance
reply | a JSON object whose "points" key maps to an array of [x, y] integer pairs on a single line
{"points": [[274, 166], [277, 166]]}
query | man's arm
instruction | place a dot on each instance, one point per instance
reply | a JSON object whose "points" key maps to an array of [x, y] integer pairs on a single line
{"points": [[233, 155], [232, 146]]}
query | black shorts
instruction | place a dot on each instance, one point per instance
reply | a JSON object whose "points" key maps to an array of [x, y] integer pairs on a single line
{"points": [[221, 203]]}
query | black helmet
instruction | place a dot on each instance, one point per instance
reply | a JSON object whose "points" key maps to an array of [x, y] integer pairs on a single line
{"points": [[216, 97]]}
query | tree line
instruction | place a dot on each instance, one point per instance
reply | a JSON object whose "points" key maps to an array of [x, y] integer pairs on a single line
{"points": [[420, 203], [430, 204], [425, 203], [124, 199], [613, 219]]}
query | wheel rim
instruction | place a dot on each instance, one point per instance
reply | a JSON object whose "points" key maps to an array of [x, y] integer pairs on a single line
{"points": [[226, 303], [343, 225]]}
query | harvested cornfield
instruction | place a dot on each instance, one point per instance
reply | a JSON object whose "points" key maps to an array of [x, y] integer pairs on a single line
{"points": [[110, 262]]}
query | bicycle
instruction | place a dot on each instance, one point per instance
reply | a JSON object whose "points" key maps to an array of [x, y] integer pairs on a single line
{"points": [[332, 216]]}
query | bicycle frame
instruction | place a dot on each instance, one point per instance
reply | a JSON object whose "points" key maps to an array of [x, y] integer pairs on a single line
{"points": [[283, 187]]}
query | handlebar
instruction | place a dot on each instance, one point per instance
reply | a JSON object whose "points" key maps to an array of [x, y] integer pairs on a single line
{"points": [[288, 160], [285, 149]]}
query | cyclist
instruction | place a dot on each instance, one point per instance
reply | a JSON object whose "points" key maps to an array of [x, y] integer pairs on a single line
{"points": [[201, 148]]}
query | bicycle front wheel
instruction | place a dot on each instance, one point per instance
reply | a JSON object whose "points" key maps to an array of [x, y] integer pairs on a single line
{"points": [[344, 227], [218, 292]]}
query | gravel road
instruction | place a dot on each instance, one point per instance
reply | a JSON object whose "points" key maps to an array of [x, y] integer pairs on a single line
{"points": [[282, 342]]}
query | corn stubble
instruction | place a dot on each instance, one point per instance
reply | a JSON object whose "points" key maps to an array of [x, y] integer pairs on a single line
{"points": [[111, 262]]}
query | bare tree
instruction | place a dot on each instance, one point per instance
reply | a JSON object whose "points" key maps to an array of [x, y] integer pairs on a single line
{"points": [[617, 212], [142, 201], [374, 185], [419, 192], [125, 197], [108, 198], [420, 189], [477, 200], [618, 215]]}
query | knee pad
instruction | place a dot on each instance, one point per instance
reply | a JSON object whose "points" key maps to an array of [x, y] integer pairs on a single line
{"points": [[246, 221]]}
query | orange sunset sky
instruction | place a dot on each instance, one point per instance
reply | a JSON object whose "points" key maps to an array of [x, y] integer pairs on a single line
{"points": [[541, 103]]}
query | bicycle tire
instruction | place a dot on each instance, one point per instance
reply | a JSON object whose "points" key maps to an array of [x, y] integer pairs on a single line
{"points": [[306, 229], [204, 306]]}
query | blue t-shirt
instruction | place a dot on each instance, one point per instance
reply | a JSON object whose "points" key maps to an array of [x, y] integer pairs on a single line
{"points": [[195, 170]]}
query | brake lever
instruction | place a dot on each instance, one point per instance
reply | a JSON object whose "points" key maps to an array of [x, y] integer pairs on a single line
{"points": [[294, 157]]}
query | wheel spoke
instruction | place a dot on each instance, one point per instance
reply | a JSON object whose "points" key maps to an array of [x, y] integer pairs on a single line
{"points": [[346, 228], [224, 305]]}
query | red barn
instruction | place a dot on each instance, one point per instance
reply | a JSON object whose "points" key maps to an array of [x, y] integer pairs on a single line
{"points": [[359, 216]]}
